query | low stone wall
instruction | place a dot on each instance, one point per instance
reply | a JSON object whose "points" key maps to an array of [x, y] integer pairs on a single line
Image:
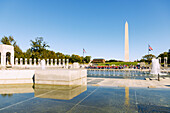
{"points": [[16, 76], [47, 76], [61, 77]]}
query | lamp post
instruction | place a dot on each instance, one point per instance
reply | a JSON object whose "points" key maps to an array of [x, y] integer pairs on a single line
{"points": [[158, 77]]}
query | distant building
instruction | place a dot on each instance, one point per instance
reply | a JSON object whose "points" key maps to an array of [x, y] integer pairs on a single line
{"points": [[98, 61]]}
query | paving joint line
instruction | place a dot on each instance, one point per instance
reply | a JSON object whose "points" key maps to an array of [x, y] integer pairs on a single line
{"points": [[82, 100], [24, 101]]}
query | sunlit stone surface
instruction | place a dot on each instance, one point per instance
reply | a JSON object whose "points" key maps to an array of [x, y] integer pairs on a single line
{"points": [[44, 76], [16, 76], [61, 77]]}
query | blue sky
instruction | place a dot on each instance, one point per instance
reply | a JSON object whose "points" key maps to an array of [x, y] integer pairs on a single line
{"points": [[96, 25]]}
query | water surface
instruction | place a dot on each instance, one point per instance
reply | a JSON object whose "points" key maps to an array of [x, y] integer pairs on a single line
{"points": [[121, 74], [83, 99]]}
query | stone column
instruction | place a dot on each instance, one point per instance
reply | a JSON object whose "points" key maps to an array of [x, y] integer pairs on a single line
{"points": [[3, 59], [159, 58], [51, 62], [67, 62], [21, 61], [63, 62], [34, 61], [47, 62], [165, 61], [16, 61], [59, 63], [30, 61], [55, 62], [39, 62], [12, 58], [25, 61], [43, 64]]}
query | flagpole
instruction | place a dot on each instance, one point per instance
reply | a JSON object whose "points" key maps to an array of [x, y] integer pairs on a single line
{"points": [[148, 49], [83, 56]]}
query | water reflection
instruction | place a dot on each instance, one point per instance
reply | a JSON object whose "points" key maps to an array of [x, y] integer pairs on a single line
{"points": [[5, 95], [58, 92], [61, 99], [9, 90], [43, 91], [127, 96]]}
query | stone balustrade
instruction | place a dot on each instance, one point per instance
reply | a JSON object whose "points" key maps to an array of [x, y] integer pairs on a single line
{"points": [[37, 62]]}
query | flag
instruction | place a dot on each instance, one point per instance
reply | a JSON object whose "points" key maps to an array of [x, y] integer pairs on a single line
{"points": [[84, 50], [150, 48]]}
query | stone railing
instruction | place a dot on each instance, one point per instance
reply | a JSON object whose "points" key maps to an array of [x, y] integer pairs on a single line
{"points": [[37, 62]]}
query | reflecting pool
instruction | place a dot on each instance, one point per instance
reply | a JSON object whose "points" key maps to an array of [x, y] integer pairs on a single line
{"points": [[82, 99]]}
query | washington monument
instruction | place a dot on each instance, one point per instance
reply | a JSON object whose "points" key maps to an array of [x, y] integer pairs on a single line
{"points": [[126, 43]]}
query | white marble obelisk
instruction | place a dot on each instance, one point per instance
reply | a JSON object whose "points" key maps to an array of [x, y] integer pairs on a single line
{"points": [[126, 43]]}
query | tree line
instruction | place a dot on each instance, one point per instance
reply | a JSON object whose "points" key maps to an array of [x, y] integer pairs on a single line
{"points": [[148, 58], [39, 50]]}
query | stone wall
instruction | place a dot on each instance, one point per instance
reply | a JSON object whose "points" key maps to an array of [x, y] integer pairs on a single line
{"points": [[54, 77], [61, 77], [16, 76]]}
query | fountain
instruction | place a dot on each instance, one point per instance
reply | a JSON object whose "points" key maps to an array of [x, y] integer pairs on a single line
{"points": [[155, 67]]}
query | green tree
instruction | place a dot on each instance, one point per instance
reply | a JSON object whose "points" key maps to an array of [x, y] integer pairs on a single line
{"points": [[68, 57], [18, 52], [148, 58], [38, 48], [28, 53], [76, 58], [142, 60], [60, 55], [51, 54], [10, 41], [87, 59]]}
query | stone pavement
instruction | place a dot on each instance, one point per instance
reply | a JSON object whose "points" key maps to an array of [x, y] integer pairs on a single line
{"points": [[163, 83]]}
